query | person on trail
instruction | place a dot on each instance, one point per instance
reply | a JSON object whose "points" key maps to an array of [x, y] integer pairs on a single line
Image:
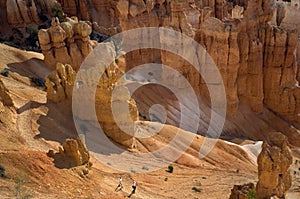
{"points": [[133, 187], [120, 184]]}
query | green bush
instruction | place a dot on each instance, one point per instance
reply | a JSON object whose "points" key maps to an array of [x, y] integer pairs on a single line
{"points": [[170, 169], [33, 35], [58, 12], [251, 194], [2, 172], [196, 189], [20, 191]]}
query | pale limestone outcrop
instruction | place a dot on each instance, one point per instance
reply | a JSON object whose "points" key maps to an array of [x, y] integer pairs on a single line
{"points": [[237, 12], [288, 13], [103, 30], [60, 83], [66, 42], [273, 167]]}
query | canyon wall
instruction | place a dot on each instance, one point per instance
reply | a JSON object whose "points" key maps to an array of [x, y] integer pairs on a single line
{"points": [[256, 58], [253, 43], [26, 12]]}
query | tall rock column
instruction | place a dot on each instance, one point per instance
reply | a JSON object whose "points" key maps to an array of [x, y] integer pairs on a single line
{"points": [[274, 178], [221, 44], [282, 95]]}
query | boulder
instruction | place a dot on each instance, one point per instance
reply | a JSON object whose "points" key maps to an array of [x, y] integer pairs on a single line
{"points": [[73, 153], [242, 191]]}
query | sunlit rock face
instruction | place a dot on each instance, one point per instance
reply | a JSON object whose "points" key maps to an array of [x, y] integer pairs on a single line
{"points": [[273, 167], [67, 42]]}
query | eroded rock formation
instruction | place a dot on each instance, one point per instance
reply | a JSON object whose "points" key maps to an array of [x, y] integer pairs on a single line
{"points": [[21, 19], [28, 11], [60, 83], [73, 153], [105, 102], [66, 42], [5, 98], [273, 167]]}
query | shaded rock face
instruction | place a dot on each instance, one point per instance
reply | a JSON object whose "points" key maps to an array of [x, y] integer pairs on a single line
{"points": [[28, 11], [75, 8], [60, 83], [273, 167], [104, 13], [241, 191], [73, 153], [104, 100], [66, 42], [5, 98], [21, 19]]}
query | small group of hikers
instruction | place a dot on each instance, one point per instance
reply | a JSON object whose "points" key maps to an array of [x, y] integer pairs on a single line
{"points": [[120, 186]]}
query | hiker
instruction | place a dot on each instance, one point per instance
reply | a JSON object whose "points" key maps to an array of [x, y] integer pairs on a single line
{"points": [[120, 184], [133, 187]]}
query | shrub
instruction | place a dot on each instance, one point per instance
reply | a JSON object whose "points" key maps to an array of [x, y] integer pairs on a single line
{"points": [[145, 168], [251, 194], [20, 191], [170, 169], [33, 35], [58, 12], [38, 81], [196, 189], [11, 44], [2, 172], [5, 73], [203, 177]]}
